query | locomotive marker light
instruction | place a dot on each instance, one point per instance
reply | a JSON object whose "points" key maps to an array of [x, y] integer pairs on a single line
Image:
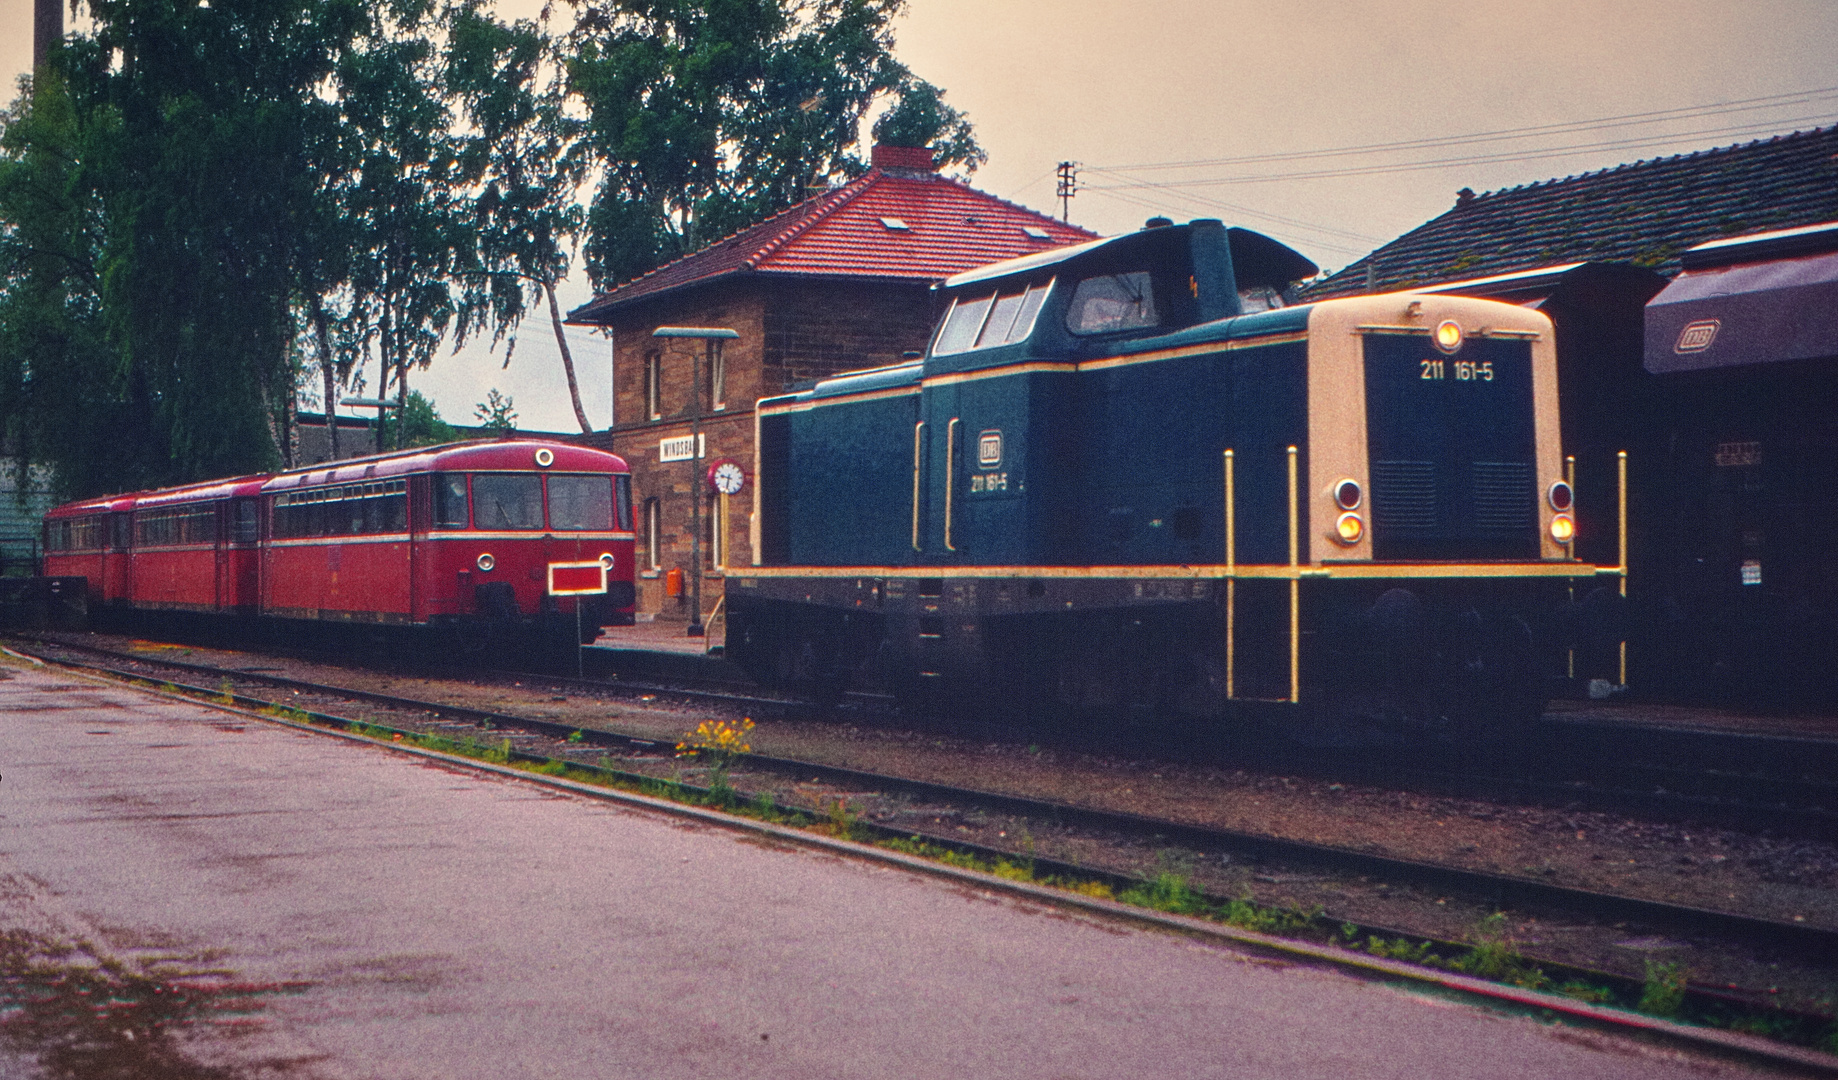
{"points": [[1447, 336], [1348, 529], [1560, 496], [711, 338]]}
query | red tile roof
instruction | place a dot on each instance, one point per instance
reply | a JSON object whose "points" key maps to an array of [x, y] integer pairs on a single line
{"points": [[856, 231]]}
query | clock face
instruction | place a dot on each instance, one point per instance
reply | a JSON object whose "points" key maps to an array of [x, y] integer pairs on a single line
{"points": [[728, 478]]}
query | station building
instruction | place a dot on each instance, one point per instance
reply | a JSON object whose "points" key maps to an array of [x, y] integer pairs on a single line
{"points": [[840, 282]]}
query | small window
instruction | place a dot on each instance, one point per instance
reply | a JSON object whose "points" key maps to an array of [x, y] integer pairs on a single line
{"points": [[717, 377], [507, 500], [894, 224], [243, 527], [450, 501], [580, 503], [1112, 302], [654, 534], [1035, 232], [654, 390], [1259, 298]]}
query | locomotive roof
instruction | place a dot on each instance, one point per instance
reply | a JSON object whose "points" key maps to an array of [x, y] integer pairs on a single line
{"points": [[1256, 259], [496, 454]]}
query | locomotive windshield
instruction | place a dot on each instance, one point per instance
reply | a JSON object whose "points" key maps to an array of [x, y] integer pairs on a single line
{"points": [[507, 501], [1110, 302], [450, 509]]}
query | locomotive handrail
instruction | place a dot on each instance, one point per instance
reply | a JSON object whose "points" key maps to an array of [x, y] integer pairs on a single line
{"points": [[950, 477], [918, 471], [1295, 587], [1231, 582]]}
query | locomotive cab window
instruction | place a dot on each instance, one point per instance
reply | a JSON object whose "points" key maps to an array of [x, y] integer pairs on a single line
{"points": [[580, 503], [1256, 298], [507, 500], [1110, 302], [984, 322]]}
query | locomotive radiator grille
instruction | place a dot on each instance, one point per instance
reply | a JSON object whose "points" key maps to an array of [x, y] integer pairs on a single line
{"points": [[1404, 495], [1504, 496]]}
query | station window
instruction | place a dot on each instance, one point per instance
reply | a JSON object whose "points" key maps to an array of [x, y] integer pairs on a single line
{"points": [[654, 388], [654, 535], [984, 322], [580, 503], [1111, 302], [717, 378], [506, 501]]}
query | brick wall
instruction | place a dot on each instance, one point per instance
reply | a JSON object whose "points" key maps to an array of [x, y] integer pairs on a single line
{"points": [[791, 331]]}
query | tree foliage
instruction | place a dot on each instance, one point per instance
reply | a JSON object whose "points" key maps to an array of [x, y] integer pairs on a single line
{"points": [[201, 203], [708, 115]]}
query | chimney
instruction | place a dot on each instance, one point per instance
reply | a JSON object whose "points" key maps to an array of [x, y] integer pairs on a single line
{"points": [[903, 159]]}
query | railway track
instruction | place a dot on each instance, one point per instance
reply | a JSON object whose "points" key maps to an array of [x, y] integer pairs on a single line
{"points": [[1802, 940]]}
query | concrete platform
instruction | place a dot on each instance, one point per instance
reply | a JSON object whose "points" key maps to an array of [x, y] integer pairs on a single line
{"points": [[430, 921]]}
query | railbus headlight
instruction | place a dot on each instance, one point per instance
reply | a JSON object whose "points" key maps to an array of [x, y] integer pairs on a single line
{"points": [[1560, 496], [485, 562], [1348, 528], [606, 559], [1347, 494], [1563, 529]]}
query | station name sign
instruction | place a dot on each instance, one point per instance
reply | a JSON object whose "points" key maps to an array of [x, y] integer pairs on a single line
{"points": [[682, 448]]}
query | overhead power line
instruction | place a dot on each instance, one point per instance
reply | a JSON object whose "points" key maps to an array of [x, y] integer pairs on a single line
{"points": [[1773, 101], [1452, 162]]}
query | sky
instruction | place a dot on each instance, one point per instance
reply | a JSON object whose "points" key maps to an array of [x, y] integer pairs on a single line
{"points": [[1131, 89]]}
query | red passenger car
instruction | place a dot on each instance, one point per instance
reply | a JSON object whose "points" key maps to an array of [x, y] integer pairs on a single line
{"points": [[510, 533]]}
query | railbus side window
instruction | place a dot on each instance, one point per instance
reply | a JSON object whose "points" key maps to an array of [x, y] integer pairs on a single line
{"points": [[118, 532], [450, 511], [622, 501], [507, 500], [580, 503]]}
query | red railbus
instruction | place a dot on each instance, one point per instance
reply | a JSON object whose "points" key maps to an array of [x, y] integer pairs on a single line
{"points": [[504, 535]]}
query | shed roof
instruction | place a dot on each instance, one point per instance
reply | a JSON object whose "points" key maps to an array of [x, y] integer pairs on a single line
{"points": [[898, 220], [1646, 213]]}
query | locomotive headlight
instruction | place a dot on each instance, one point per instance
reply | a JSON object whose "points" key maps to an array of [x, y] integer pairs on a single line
{"points": [[486, 562], [1563, 530], [1448, 335], [1560, 496], [1347, 494], [1348, 528]]}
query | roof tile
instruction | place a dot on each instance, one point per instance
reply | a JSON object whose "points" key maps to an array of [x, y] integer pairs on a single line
{"points": [[951, 227]]}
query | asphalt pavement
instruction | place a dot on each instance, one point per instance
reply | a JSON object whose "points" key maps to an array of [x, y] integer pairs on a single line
{"points": [[326, 908]]}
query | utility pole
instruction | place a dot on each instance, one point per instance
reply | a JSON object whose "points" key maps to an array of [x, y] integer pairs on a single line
{"points": [[1067, 188]]}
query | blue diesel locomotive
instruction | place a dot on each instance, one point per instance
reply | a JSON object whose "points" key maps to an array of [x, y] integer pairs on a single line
{"points": [[1129, 475]]}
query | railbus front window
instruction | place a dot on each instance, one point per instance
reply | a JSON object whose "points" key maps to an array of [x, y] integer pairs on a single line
{"points": [[580, 503], [450, 511], [507, 500]]}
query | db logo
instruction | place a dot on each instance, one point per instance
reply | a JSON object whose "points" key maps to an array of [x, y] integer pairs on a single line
{"points": [[989, 449], [1697, 336]]}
